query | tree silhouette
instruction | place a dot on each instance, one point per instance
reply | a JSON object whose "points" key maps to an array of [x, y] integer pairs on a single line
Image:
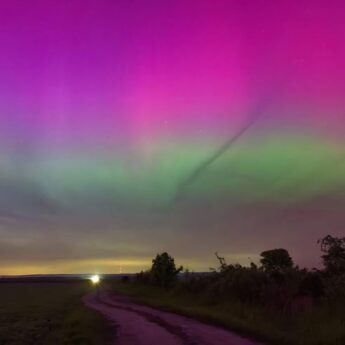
{"points": [[334, 254], [163, 270], [276, 260]]}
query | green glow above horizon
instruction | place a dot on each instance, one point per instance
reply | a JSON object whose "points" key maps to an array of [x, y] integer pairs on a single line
{"points": [[284, 167]]}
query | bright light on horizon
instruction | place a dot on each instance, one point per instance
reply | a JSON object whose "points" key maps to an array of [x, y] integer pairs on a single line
{"points": [[95, 279]]}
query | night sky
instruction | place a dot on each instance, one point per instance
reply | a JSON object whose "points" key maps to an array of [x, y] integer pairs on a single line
{"points": [[116, 121]]}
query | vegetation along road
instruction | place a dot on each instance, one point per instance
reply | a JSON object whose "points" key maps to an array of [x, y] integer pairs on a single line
{"points": [[141, 325]]}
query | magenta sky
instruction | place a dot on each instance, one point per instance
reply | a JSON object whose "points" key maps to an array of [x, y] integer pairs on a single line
{"points": [[106, 106], [91, 70]]}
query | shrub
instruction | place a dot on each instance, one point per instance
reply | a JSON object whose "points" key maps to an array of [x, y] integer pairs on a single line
{"points": [[163, 271], [276, 260]]}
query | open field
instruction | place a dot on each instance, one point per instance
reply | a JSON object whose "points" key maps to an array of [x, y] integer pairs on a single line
{"points": [[49, 313], [324, 325]]}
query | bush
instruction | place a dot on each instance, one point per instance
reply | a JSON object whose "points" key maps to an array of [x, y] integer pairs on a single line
{"points": [[276, 260], [163, 271]]}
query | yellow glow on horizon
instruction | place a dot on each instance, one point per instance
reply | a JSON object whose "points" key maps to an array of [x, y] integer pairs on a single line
{"points": [[81, 266], [109, 265]]}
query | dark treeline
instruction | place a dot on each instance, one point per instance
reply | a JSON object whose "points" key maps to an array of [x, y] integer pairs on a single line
{"points": [[276, 283], [274, 300]]}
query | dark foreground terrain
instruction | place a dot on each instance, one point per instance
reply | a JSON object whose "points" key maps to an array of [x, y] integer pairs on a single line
{"points": [[324, 324], [134, 313], [47, 313]]}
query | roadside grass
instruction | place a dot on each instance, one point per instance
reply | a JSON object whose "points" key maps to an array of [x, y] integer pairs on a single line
{"points": [[49, 314], [325, 325]]}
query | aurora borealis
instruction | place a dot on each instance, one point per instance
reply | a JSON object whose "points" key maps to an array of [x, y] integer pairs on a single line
{"points": [[107, 107]]}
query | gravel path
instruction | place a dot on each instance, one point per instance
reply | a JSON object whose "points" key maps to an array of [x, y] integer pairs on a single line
{"points": [[141, 325]]}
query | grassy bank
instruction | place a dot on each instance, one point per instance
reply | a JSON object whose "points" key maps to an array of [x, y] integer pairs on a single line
{"points": [[49, 314], [324, 325]]}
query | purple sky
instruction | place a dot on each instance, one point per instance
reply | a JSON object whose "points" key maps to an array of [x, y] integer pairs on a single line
{"points": [[107, 106]]}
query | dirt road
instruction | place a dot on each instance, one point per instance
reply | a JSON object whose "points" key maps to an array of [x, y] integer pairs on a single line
{"points": [[141, 325]]}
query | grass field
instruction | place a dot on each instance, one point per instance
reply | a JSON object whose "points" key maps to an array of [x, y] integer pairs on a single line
{"points": [[325, 325], [49, 314]]}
